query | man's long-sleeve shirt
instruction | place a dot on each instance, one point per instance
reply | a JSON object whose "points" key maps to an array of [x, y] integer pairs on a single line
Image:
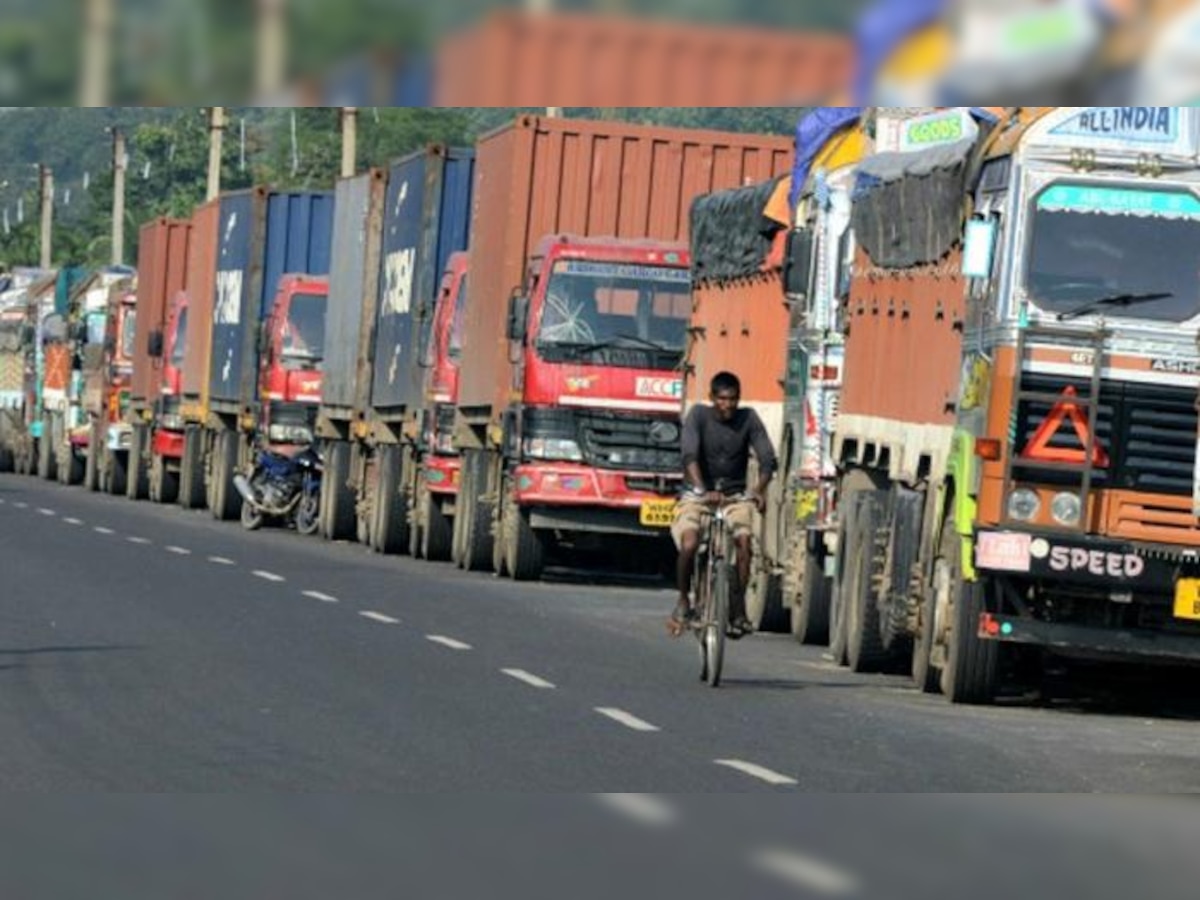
{"points": [[722, 449]]}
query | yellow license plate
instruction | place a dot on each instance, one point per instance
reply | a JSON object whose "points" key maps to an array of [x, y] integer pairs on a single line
{"points": [[658, 513], [1187, 599]]}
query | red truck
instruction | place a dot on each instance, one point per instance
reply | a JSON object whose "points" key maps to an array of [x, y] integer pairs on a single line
{"points": [[293, 338], [571, 390]]}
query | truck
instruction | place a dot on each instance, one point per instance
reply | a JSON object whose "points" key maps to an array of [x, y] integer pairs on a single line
{"points": [[571, 386], [261, 237], [17, 342], [27, 318], [154, 392], [396, 230], [105, 436], [1017, 439]]}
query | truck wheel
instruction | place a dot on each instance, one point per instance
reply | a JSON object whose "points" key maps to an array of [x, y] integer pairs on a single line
{"points": [[91, 468], [839, 596], [47, 464], [765, 608], [139, 481], [437, 533], [191, 470], [416, 531], [76, 469], [477, 534], [458, 540], [972, 672], [27, 457], [864, 640], [810, 606], [7, 460], [116, 470], [337, 499], [389, 532], [226, 501], [164, 484], [524, 550]]}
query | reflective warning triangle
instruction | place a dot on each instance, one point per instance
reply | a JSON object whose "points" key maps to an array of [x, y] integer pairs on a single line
{"points": [[1039, 447]]}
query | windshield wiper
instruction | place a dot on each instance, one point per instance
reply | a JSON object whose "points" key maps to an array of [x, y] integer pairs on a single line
{"points": [[615, 340], [1114, 300]]}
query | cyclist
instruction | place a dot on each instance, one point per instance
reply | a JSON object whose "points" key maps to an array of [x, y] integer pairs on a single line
{"points": [[717, 441]]}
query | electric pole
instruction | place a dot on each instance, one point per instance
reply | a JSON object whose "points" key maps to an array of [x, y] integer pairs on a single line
{"points": [[349, 116], [118, 213], [272, 49], [47, 182], [97, 50], [537, 8], [216, 131]]}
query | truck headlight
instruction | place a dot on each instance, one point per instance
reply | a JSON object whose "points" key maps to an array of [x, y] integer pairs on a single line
{"points": [[1024, 505], [1066, 508], [289, 434], [171, 422], [563, 449]]}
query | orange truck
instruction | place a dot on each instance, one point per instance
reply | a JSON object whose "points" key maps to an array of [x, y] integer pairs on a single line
{"points": [[1017, 439]]}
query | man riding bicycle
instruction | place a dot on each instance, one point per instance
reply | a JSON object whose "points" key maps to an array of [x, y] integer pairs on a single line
{"points": [[717, 441]]}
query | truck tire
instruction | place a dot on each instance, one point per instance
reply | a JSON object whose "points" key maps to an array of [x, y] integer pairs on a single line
{"points": [[164, 484], [138, 487], [337, 499], [865, 651], [765, 608], [810, 606], [75, 470], [91, 466], [27, 456], [389, 531], [191, 470], [226, 502], [114, 473], [477, 515], [47, 463], [972, 672], [524, 550], [7, 460], [839, 596]]}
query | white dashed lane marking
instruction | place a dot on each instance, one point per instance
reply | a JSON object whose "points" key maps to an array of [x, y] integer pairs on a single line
{"points": [[179, 551], [529, 679], [221, 561], [138, 540], [72, 521], [46, 512], [317, 595], [629, 720], [379, 617], [447, 642], [100, 529], [268, 576], [807, 873], [755, 771]]}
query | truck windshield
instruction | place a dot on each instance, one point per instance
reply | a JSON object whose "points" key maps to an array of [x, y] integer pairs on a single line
{"points": [[460, 318], [180, 340], [304, 331], [128, 333], [1089, 243], [592, 305]]}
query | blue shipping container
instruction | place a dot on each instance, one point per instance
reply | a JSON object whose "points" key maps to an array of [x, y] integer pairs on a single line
{"points": [[427, 217], [262, 237]]}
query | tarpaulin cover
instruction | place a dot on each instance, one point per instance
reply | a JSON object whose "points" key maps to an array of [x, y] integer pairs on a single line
{"points": [[731, 236], [908, 207], [68, 280], [881, 29], [812, 134]]}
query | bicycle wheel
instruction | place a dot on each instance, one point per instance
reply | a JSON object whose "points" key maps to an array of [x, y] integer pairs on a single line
{"points": [[702, 584], [717, 623]]}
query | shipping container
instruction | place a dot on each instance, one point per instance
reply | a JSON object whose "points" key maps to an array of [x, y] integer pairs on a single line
{"points": [[353, 287], [427, 218], [568, 59], [541, 177], [201, 289], [162, 273], [262, 237]]}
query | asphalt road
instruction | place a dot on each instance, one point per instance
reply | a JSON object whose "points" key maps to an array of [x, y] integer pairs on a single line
{"points": [[147, 649]]}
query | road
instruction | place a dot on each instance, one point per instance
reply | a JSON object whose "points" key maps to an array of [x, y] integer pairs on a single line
{"points": [[147, 649]]}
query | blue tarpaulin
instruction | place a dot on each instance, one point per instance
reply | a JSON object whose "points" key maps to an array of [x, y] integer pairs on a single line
{"points": [[814, 130], [881, 29]]}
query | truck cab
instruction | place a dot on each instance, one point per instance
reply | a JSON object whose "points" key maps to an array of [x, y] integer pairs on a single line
{"points": [[591, 440], [293, 340]]}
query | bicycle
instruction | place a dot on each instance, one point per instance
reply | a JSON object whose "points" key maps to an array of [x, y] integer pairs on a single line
{"points": [[713, 579]]}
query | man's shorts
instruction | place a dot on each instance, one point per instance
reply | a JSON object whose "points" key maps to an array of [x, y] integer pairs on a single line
{"points": [[691, 515]]}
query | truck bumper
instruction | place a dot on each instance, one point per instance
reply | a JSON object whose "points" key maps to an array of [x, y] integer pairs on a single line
{"points": [[442, 474], [168, 444], [579, 498], [1105, 642]]}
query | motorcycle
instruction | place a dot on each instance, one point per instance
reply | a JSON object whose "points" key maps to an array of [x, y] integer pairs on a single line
{"points": [[279, 487]]}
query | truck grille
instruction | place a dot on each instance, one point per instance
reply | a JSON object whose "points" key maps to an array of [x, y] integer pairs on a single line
{"points": [[1148, 431], [639, 443]]}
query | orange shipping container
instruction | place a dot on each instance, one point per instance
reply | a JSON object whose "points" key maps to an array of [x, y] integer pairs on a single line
{"points": [[162, 273], [587, 60], [201, 287], [540, 177]]}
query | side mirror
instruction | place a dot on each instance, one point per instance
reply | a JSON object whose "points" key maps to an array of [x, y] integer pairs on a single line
{"points": [[979, 247], [154, 344], [518, 310], [798, 263]]}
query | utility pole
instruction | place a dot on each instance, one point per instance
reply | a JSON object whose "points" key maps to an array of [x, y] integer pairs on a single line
{"points": [[272, 49], [118, 213], [46, 178], [216, 131], [349, 115], [97, 50], [537, 8]]}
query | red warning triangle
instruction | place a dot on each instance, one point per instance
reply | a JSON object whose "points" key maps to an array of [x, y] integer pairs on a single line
{"points": [[1039, 447]]}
